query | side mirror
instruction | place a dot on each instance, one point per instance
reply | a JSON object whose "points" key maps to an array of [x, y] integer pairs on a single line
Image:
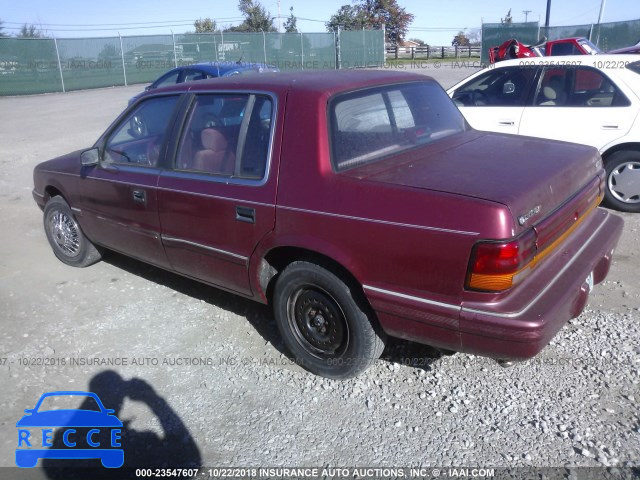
{"points": [[508, 88], [90, 157], [148, 87]]}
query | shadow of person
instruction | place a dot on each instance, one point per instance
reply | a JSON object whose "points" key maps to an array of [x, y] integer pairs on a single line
{"points": [[174, 449]]}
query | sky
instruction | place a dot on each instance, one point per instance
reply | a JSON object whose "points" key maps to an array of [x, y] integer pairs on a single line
{"points": [[436, 21]]}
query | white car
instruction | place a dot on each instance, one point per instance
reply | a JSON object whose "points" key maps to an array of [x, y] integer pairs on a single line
{"points": [[593, 100]]}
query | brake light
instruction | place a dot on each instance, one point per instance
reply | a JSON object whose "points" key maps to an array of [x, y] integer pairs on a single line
{"points": [[497, 266]]}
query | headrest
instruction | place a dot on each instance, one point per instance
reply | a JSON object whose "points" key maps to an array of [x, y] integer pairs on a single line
{"points": [[213, 139]]}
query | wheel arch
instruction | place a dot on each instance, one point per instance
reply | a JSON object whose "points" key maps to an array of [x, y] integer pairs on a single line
{"points": [[51, 191], [278, 258], [631, 146]]}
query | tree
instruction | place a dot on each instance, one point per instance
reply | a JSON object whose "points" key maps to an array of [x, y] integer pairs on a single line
{"points": [[2, 34], [460, 40], [475, 37], [205, 25], [347, 17], [30, 31], [374, 14], [256, 18], [290, 26], [507, 20]]}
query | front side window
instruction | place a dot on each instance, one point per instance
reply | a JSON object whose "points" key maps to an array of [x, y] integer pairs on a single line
{"points": [[227, 135], [192, 75], [370, 124], [502, 87], [138, 138]]}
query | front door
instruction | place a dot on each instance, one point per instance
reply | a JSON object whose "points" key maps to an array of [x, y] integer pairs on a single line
{"points": [[118, 197]]}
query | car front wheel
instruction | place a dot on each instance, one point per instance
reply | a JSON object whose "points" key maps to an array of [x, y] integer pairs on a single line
{"points": [[623, 181], [328, 330], [65, 236]]}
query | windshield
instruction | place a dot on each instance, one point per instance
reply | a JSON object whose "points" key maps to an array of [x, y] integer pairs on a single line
{"points": [[371, 124], [589, 47], [68, 402]]}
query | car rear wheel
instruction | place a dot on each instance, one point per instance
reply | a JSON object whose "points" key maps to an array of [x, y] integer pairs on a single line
{"points": [[623, 181], [324, 323], [65, 236]]}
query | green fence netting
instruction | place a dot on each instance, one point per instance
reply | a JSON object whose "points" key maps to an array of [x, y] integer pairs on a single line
{"points": [[56, 65], [361, 48], [28, 66]]}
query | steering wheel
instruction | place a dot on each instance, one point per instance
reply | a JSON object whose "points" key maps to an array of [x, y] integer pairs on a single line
{"points": [[479, 99]]}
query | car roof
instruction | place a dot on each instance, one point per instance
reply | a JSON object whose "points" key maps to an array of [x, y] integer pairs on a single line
{"points": [[320, 81]]}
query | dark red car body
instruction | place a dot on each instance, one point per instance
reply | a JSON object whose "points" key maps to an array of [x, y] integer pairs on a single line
{"points": [[402, 228]]}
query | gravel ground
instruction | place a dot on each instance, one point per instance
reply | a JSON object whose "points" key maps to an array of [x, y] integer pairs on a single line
{"points": [[201, 377]]}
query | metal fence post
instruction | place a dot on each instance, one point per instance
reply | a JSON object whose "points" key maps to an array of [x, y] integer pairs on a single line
{"points": [[55, 41], [175, 56], [222, 46], [124, 70], [384, 43], [338, 55], [264, 46]]}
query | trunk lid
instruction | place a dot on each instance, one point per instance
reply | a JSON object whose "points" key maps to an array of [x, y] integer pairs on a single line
{"points": [[532, 177]]}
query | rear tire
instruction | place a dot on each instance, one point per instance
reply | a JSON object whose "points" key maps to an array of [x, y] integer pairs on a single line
{"points": [[328, 331], [622, 189], [65, 236]]}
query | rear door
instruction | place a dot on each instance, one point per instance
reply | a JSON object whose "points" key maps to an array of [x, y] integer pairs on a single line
{"points": [[118, 197], [578, 104], [495, 100], [218, 200]]}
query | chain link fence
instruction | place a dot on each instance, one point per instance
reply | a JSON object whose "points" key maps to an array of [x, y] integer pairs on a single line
{"points": [[607, 36], [30, 66]]}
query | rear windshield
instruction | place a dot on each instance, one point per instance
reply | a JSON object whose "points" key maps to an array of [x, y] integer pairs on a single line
{"points": [[371, 124]]}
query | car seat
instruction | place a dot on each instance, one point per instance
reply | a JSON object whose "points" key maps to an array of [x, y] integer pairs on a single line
{"points": [[216, 157]]}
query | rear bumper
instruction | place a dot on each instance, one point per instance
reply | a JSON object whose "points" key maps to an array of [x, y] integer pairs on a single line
{"points": [[556, 295], [522, 323]]}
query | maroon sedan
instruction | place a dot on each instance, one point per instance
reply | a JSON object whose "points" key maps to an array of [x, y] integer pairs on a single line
{"points": [[358, 204]]}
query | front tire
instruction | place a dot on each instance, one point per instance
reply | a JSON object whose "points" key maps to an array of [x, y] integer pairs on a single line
{"points": [[323, 322], [65, 236], [622, 190]]}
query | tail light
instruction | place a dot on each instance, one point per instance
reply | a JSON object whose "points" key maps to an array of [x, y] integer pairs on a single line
{"points": [[497, 266]]}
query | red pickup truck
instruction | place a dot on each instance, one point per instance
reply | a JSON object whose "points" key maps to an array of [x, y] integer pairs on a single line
{"points": [[553, 48], [358, 204]]}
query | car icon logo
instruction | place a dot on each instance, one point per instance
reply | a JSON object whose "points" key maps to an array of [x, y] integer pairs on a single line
{"points": [[81, 433]]}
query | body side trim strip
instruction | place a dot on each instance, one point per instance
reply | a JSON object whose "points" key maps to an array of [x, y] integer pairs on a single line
{"points": [[205, 247], [384, 222]]}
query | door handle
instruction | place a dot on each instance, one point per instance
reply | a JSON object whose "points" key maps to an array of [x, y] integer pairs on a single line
{"points": [[139, 196], [246, 214], [610, 127], [506, 123]]}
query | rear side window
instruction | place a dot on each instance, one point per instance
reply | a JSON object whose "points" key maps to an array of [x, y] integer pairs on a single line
{"points": [[227, 135], [578, 87], [368, 125]]}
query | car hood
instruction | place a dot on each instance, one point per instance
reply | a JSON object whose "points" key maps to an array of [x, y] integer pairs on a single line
{"points": [[69, 418], [523, 173]]}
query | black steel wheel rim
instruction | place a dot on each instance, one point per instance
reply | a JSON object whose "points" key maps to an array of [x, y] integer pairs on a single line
{"points": [[318, 323]]}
